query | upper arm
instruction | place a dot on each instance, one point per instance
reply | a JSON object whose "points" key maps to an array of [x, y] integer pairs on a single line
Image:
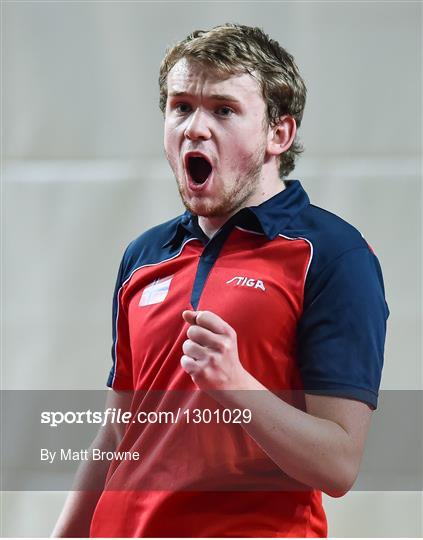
{"points": [[351, 415], [341, 333], [120, 375], [111, 433]]}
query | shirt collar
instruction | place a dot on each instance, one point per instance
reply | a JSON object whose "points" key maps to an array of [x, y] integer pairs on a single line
{"points": [[270, 217], [275, 213], [187, 227]]}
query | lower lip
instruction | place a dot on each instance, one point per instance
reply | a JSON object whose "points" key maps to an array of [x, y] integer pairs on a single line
{"points": [[193, 186]]}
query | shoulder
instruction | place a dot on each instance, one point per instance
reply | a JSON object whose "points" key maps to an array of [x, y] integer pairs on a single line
{"points": [[150, 246], [329, 236]]}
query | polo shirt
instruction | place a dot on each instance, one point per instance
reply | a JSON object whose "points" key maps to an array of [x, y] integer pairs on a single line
{"points": [[304, 292]]}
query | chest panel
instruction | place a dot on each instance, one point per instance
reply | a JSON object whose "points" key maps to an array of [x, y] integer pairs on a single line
{"points": [[255, 285]]}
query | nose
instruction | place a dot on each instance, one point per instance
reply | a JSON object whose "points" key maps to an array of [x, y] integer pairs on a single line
{"points": [[197, 127]]}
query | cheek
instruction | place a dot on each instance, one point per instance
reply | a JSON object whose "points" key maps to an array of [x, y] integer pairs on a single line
{"points": [[170, 142], [240, 154], [167, 138]]}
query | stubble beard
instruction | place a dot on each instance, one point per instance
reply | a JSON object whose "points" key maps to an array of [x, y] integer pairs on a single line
{"points": [[232, 200]]}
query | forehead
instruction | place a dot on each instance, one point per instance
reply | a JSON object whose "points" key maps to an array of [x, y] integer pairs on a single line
{"points": [[194, 78]]}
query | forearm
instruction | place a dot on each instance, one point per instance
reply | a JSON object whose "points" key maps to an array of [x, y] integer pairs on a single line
{"points": [[75, 518], [320, 448], [311, 450]]}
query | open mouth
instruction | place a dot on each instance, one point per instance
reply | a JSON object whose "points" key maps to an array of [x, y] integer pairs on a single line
{"points": [[199, 169]]}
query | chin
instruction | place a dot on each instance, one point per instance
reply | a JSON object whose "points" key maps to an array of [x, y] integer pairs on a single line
{"points": [[206, 207], [206, 210], [200, 209]]}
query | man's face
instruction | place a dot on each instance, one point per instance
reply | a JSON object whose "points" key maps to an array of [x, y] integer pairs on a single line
{"points": [[215, 138]]}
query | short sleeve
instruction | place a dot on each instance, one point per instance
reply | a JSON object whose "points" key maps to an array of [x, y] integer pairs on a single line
{"points": [[120, 376], [341, 333]]}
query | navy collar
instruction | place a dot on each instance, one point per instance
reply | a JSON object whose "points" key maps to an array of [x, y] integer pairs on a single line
{"points": [[275, 213], [270, 217]]}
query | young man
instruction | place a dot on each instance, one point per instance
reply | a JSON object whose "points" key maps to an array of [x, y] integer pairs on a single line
{"points": [[250, 296]]}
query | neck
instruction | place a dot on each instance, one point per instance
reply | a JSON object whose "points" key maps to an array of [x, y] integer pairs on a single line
{"points": [[210, 225]]}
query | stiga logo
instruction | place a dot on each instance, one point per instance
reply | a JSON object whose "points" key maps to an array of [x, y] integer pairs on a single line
{"points": [[241, 281]]}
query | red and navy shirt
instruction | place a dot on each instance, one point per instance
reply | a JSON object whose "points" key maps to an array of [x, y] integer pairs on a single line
{"points": [[304, 292]]}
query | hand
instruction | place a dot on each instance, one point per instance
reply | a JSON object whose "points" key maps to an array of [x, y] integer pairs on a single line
{"points": [[211, 352]]}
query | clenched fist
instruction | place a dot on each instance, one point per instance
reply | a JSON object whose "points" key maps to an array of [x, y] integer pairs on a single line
{"points": [[211, 352]]}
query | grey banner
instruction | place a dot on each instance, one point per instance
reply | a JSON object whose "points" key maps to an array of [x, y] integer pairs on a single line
{"points": [[178, 440]]}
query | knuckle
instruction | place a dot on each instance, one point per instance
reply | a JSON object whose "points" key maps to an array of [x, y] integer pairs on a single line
{"points": [[225, 345], [202, 315], [211, 358], [232, 333], [192, 332], [185, 363], [186, 346]]}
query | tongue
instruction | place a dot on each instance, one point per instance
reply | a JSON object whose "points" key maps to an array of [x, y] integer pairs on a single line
{"points": [[199, 169]]}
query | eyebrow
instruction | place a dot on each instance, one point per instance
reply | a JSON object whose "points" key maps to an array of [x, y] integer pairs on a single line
{"points": [[216, 97]]}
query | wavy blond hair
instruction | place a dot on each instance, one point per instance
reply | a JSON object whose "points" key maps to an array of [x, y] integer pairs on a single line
{"points": [[231, 49]]}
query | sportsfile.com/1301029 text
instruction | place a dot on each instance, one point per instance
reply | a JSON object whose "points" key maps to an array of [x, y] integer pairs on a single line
{"points": [[113, 415]]}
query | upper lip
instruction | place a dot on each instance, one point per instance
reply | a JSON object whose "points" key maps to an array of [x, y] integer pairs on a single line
{"points": [[195, 153]]}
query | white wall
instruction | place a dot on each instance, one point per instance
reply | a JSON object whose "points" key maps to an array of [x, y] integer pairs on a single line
{"points": [[84, 173]]}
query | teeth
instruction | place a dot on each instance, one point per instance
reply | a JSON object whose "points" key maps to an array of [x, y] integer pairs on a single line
{"points": [[199, 169]]}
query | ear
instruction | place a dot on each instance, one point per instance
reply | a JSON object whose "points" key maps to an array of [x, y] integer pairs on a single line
{"points": [[281, 135]]}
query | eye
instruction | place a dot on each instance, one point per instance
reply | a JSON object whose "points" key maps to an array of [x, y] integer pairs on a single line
{"points": [[182, 108], [224, 111]]}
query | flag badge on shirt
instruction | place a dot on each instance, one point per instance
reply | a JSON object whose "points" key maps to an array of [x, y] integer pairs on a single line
{"points": [[156, 292]]}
